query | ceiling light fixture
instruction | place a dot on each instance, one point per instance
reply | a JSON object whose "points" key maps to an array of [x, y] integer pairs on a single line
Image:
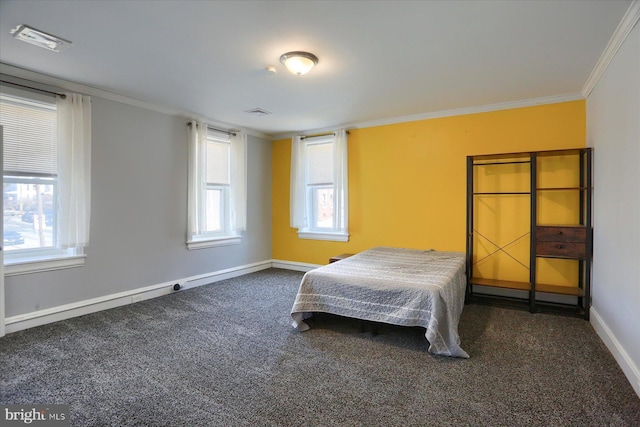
{"points": [[299, 63], [40, 38]]}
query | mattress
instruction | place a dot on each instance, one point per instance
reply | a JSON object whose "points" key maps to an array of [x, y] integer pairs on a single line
{"points": [[406, 287]]}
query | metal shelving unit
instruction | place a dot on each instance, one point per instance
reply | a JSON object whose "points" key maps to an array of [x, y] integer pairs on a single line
{"points": [[573, 242]]}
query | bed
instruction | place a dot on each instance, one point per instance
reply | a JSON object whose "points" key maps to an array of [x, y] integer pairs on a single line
{"points": [[406, 287]]}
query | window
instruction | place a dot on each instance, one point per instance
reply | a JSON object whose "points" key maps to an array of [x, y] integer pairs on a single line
{"points": [[320, 183], [218, 184], [36, 182], [319, 187], [30, 173], [217, 187]]}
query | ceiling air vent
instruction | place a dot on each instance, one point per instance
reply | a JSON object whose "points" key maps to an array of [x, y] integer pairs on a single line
{"points": [[258, 112]]}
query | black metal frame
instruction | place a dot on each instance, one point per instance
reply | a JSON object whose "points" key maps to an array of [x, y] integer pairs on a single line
{"points": [[581, 309]]}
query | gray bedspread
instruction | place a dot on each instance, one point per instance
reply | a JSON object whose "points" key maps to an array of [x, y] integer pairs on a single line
{"points": [[405, 287]]}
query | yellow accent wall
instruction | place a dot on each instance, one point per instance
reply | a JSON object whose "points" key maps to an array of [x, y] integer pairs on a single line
{"points": [[407, 181]]}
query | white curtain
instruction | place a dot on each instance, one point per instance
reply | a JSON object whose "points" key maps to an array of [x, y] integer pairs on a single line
{"points": [[238, 154], [197, 179], [74, 170], [341, 179], [298, 187]]}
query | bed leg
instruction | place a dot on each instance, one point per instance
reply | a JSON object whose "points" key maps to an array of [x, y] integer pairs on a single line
{"points": [[374, 327]]}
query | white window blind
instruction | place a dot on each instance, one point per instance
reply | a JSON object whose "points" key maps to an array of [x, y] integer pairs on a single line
{"points": [[217, 162], [29, 137], [320, 163]]}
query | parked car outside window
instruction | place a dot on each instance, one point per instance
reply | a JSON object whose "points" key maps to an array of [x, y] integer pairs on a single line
{"points": [[10, 238]]}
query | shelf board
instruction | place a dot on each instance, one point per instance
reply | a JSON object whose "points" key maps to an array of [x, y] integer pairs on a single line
{"points": [[507, 162], [528, 154], [565, 152], [525, 286], [521, 304], [555, 224], [577, 258], [508, 284], [562, 290], [562, 188], [523, 156], [501, 193]]}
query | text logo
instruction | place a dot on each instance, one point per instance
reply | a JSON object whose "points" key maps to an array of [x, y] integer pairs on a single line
{"points": [[35, 415]]}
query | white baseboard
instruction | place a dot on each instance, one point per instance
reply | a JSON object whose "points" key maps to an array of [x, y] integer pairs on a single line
{"points": [[292, 265], [630, 369], [80, 308]]}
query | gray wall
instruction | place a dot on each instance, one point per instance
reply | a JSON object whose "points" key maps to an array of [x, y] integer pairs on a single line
{"points": [[139, 213], [613, 129]]}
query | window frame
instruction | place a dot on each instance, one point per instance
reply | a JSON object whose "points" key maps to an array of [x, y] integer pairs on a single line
{"points": [[33, 260], [223, 187], [225, 235], [223, 214], [312, 231]]}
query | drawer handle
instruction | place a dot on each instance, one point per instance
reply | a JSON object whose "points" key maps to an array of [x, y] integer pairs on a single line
{"points": [[559, 246]]}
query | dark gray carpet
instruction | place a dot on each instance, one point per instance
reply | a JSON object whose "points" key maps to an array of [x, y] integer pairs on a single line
{"points": [[226, 355]]}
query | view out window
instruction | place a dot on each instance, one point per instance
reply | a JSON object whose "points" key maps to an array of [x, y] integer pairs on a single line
{"points": [[30, 180]]}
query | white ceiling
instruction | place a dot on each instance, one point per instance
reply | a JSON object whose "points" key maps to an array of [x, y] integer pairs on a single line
{"points": [[378, 60]]}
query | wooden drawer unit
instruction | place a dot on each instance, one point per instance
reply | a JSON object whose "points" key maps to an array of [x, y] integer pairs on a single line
{"points": [[561, 249], [563, 242], [554, 233]]}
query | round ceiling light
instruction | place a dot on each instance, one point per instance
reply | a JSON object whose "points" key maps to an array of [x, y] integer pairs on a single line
{"points": [[299, 63]]}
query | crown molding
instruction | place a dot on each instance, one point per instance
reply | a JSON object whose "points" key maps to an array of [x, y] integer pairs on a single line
{"points": [[55, 82], [444, 113], [629, 20]]}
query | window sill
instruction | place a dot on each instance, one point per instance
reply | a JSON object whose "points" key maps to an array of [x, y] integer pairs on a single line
{"points": [[317, 235], [211, 242], [41, 264]]}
